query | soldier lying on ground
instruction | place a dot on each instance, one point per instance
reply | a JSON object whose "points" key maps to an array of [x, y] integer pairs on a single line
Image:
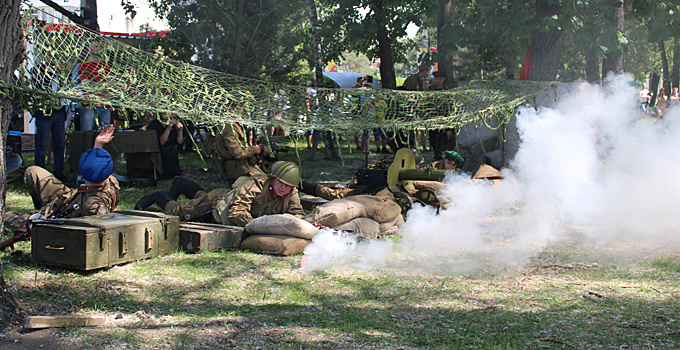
{"points": [[53, 199], [258, 195]]}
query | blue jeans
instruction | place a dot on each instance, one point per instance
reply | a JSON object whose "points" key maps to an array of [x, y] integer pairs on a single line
{"points": [[46, 123], [87, 117]]}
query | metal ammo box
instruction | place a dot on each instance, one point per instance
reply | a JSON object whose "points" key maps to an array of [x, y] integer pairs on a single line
{"points": [[98, 241], [195, 237]]}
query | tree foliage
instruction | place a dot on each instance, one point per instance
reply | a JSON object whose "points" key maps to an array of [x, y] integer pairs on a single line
{"points": [[376, 28], [263, 39]]}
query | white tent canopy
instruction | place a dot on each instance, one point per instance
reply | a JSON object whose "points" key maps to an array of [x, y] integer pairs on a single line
{"points": [[347, 80]]}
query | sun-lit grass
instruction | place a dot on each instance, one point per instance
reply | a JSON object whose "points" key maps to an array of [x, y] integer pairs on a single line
{"points": [[570, 295]]}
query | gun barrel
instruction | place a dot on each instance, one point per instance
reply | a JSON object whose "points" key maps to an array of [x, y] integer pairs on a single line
{"points": [[422, 174]]}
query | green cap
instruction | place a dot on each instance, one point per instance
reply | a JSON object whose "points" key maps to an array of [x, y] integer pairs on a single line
{"points": [[454, 157]]}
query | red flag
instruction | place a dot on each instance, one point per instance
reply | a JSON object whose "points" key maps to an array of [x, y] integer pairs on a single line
{"points": [[526, 68]]}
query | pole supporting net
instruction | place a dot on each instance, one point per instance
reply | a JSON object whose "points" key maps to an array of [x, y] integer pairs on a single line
{"points": [[68, 62]]}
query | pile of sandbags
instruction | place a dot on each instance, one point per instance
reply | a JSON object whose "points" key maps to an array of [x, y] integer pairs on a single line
{"points": [[285, 234], [366, 215], [280, 234]]}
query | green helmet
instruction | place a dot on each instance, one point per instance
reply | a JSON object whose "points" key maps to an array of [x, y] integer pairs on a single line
{"points": [[275, 166], [287, 172]]}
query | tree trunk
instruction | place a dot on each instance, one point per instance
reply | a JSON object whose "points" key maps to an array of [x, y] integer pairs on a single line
{"points": [[675, 74], [546, 47], [318, 57], [613, 61], [654, 87], [12, 47], [237, 36], [664, 66], [387, 76], [444, 42], [592, 66], [88, 11]]}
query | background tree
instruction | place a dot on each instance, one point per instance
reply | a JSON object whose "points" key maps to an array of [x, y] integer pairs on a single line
{"points": [[265, 39], [376, 28], [12, 48]]}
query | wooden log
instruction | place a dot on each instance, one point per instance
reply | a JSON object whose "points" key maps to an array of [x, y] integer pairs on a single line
{"points": [[34, 322]]}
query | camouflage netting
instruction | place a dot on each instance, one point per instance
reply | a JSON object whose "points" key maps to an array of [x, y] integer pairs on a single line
{"points": [[126, 77]]}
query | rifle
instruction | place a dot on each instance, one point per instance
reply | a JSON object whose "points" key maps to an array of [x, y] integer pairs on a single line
{"points": [[23, 233]]}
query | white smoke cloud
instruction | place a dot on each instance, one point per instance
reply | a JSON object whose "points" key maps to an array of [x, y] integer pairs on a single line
{"points": [[589, 168]]}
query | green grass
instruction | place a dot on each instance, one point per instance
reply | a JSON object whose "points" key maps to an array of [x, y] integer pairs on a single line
{"points": [[572, 295]]}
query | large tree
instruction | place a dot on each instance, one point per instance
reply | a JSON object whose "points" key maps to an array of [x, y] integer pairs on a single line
{"points": [[376, 28], [248, 38], [12, 48]]}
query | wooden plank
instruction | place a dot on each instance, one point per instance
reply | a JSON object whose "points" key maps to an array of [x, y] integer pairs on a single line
{"points": [[63, 321]]}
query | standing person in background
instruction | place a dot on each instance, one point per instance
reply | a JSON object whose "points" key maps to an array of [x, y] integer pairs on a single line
{"points": [[93, 71], [674, 97], [170, 135], [418, 81], [440, 139], [49, 121], [644, 96], [662, 102]]}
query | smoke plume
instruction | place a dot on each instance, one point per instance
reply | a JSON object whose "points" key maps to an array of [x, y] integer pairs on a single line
{"points": [[592, 170]]}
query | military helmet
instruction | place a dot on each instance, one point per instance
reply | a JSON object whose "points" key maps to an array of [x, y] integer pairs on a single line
{"points": [[287, 172], [275, 166]]}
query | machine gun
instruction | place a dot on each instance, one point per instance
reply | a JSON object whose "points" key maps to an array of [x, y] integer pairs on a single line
{"points": [[400, 177]]}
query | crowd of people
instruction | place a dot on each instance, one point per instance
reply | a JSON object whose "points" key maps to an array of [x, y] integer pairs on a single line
{"points": [[663, 101]]}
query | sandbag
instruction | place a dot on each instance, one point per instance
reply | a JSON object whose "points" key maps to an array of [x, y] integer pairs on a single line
{"points": [[390, 225], [281, 224], [434, 186], [275, 244], [336, 212], [363, 226], [379, 208]]}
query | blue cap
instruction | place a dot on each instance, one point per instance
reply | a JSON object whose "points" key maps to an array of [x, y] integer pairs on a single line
{"points": [[95, 165]]}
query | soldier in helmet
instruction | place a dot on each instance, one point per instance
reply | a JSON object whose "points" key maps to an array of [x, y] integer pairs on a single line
{"points": [[256, 196]]}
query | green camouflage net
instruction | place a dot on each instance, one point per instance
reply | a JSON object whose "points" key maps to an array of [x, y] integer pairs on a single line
{"points": [[88, 68]]}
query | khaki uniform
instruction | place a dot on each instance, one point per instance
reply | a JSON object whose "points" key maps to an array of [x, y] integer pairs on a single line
{"points": [[201, 204], [256, 198], [54, 199], [236, 158], [330, 194], [413, 83]]}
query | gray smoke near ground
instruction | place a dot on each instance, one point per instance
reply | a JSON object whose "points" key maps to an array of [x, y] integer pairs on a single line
{"points": [[591, 170]]}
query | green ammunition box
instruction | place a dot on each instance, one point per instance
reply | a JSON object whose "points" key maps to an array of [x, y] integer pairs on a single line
{"points": [[98, 241], [195, 237]]}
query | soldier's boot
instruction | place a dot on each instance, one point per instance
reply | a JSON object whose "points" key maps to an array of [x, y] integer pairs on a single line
{"points": [[182, 185], [308, 187], [160, 197]]}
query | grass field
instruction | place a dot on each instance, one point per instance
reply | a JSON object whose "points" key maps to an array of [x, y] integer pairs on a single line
{"points": [[572, 294]]}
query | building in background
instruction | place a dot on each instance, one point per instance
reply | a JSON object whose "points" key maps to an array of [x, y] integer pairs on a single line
{"points": [[111, 15]]}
